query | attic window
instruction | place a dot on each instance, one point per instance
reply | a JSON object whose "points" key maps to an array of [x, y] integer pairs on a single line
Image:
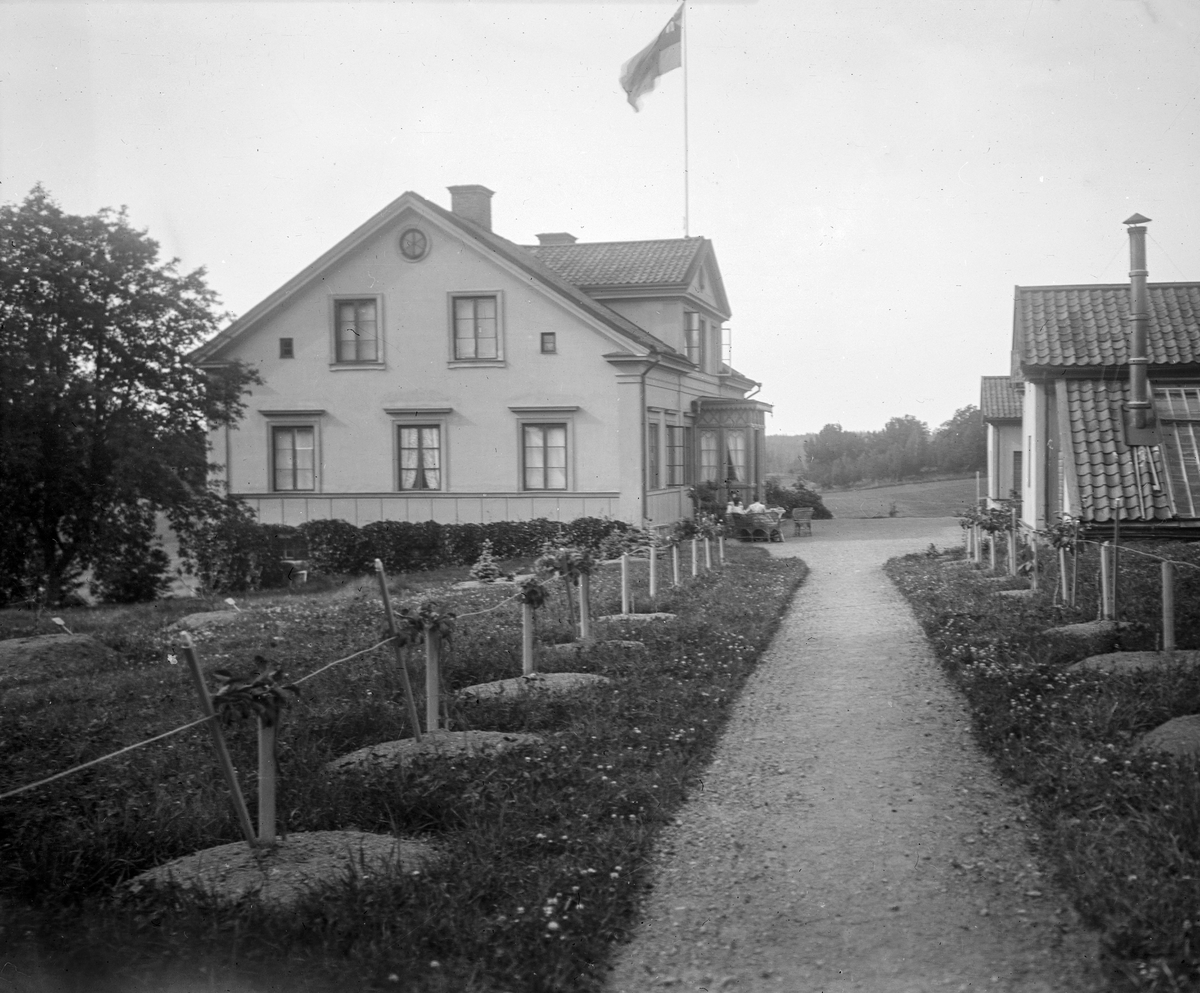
{"points": [[286, 349], [414, 245], [549, 342]]}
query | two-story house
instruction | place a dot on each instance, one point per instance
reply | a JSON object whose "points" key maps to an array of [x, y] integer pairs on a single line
{"points": [[425, 368]]}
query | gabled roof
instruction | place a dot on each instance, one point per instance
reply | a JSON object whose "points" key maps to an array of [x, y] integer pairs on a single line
{"points": [[1000, 399], [615, 265], [547, 278], [1088, 325]]}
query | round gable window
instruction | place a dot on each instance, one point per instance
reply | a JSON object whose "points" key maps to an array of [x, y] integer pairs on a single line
{"points": [[413, 244]]}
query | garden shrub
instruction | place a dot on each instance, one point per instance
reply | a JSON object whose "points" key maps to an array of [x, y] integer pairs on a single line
{"points": [[226, 549], [337, 546], [130, 565]]}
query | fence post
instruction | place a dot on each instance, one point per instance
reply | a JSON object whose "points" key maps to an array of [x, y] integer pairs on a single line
{"points": [[1062, 576], [1012, 544], [695, 561], [527, 668], [1105, 583], [977, 557], [214, 727], [585, 607], [398, 651], [1033, 572], [432, 647], [992, 551], [624, 582], [1168, 607], [721, 548], [653, 571], [675, 564], [266, 783], [707, 554]]}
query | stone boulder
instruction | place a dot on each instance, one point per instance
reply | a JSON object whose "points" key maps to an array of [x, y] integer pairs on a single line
{"points": [[549, 683], [1088, 638], [569, 649], [281, 876], [634, 618], [447, 744], [50, 656], [1125, 662], [207, 619], [1180, 737]]}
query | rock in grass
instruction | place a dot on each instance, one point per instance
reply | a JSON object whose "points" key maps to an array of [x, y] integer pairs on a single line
{"points": [[281, 876], [549, 683], [206, 619], [1123, 662], [1014, 594], [447, 744], [637, 617], [1180, 737], [569, 648], [1092, 637], [50, 655]]}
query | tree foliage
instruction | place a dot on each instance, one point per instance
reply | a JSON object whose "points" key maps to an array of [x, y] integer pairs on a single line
{"points": [[904, 449], [103, 418]]}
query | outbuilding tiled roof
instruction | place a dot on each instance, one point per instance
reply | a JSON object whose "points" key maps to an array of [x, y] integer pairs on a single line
{"points": [[1109, 473], [621, 263], [1088, 325], [1000, 399]]}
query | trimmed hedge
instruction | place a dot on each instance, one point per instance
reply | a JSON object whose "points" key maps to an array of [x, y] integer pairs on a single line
{"points": [[237, 554]]}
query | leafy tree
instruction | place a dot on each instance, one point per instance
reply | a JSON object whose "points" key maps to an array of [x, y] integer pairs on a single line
{"points": [[101, 411], [960, 445]]}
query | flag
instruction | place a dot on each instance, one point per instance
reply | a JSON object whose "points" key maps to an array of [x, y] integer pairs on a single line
{"points": [[665, 53]]}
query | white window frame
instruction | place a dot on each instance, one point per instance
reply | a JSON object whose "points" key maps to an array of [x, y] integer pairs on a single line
{"points": [[335, 300], [454, 361], [292, 419]]}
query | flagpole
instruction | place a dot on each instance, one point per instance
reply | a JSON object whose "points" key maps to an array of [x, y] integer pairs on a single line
{"points": [[683, 27]]}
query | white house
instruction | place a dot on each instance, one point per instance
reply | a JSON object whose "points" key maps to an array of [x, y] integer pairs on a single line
{"points": [[1000, 406], [425, 368]]}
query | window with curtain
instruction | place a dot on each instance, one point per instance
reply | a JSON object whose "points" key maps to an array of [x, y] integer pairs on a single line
{"points": [[544, 464], [357, 331], [293, 459], [709, 457], [420, 457], [674, 455], [735, 457], [476, 334]]}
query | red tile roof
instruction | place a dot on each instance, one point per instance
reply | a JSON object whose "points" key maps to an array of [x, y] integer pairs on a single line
{"points": [[1087, 325], [621, 263], [1000, 399]]}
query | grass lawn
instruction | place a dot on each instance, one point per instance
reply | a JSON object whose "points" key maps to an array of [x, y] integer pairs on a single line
{"points": [[547, 849], [1121, 826], [933, 498]]}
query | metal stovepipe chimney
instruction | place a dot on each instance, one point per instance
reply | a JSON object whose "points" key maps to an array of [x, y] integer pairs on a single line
{"points": [[1140, 423]]}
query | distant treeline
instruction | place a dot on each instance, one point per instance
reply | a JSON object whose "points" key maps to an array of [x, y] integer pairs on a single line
{"points": [[905, 448]]}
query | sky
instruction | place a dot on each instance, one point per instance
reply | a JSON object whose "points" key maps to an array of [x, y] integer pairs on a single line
{"points": [[875, 176]]}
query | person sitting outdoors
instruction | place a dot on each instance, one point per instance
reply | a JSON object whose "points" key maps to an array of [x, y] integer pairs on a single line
{"points": [[734, 506], [758, 507]]}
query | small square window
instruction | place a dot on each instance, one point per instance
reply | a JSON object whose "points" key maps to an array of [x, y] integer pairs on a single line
{"points": [[549, 342], [286, 349]]}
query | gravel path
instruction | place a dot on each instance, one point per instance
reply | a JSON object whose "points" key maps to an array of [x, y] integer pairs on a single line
{"points": [[849, 834]]}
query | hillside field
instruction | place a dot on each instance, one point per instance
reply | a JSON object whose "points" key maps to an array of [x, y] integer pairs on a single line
{"points": [[933, 498]]}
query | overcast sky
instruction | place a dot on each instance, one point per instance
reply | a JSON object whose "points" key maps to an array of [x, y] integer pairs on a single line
{"points": [[875, 176]]}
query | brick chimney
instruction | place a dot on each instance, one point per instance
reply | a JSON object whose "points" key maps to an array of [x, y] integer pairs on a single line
{"points": [[556, 238], [474, 203]]}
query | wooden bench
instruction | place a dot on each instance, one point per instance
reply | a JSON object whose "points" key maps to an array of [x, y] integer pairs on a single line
{"points": [[755, 527]]}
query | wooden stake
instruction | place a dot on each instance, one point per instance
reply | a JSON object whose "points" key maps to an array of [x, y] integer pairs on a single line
{"points": [[992, 551], [1168, 607], [675, 565], [1033, 572], [527, 668], [1062, 576], [624, 582], [266, 783], [653, 571], [432, 647], [398, 651], [695, 562], [1012, 545], [721, 548], [707, 554], [585, 607], [227, 770], [1105, 584]]}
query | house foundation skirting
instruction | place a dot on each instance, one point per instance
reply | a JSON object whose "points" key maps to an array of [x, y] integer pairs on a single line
{"points": [[446, 508]]}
